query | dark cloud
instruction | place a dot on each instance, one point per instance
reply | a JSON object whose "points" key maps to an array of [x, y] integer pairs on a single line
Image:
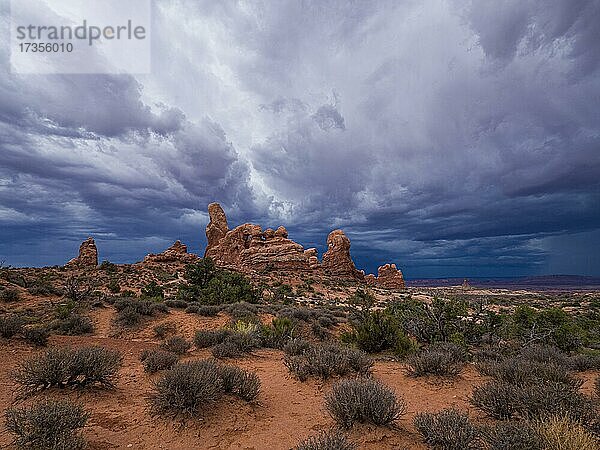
{"points": [[453, 138]]}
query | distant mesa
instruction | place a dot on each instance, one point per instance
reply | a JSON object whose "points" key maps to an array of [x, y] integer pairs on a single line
{"points": [[248, 248], [88, 255]]}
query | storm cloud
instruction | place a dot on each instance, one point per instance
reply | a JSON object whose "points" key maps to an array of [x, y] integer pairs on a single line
{"points": [[454, 138]]}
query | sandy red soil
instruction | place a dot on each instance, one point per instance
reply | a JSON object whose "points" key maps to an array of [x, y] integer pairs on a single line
{"points": [[285, 412]]}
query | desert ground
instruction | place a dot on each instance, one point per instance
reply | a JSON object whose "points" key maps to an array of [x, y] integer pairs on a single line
{"points": [[286, 410]]}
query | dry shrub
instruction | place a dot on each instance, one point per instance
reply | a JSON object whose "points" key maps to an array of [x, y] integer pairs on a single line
{"points": [[296, 346], [435, 361], [560, 433], [327, 360], [448, 429], [208, 338], [37, 336], [190, 388], [73, 325], [61, 367], [511, 436], [503, 400], [156, 359], [327, 440], [177, 345], [521, 371], [10, 325], [239, 382], [363, 400], [47, 425]]}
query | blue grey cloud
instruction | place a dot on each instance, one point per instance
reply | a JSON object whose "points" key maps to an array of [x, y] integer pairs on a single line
{"points": [[452, 138]]}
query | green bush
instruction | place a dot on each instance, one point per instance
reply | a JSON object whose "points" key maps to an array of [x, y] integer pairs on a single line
{"points": [[552, 325], [327, 440], [364, 401], [48, 424], [442, 320], [153, 290], [61, 367], [448, 429], [277, 334], [377, 331], [211, 286]]}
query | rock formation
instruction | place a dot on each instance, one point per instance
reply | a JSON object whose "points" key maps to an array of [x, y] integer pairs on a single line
{"points": [[88, 255], [388, 277], [249, 248], [337, 261], [217, 228], [313, 259], [175, 253]]}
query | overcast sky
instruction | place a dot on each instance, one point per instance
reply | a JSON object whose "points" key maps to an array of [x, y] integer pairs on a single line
{"points": [[453, 138]]}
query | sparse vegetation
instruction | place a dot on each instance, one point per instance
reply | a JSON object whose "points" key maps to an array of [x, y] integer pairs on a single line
{"points": [[9, 295], [327, 440], [560, 433], [447, 360], [363, 400], [177, 345], [511, 436], [10, 325], [191, 388], [61, 367], [239, 382], [36, 335], [157, 359], [153, 290], [211, 286], [327, 360], [73, 325], [448, 429], [130, 312], [49, 424]]}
